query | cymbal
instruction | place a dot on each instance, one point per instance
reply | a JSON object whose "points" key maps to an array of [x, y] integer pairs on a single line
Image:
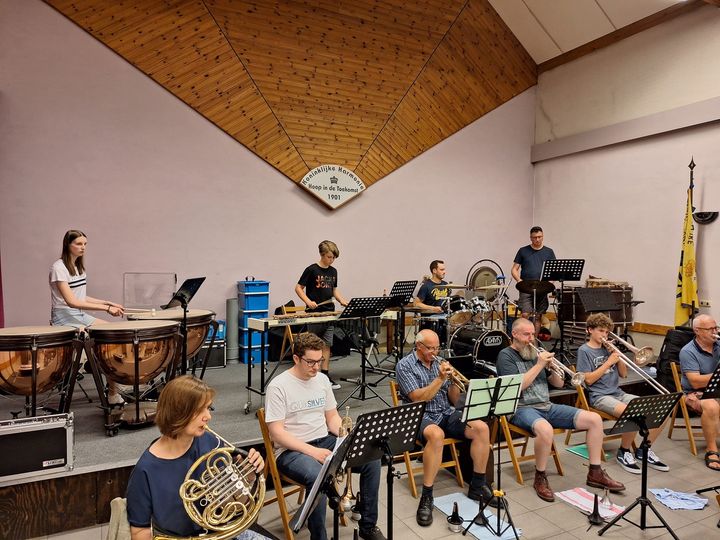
{"points": [[489, 288], [535, 285]]}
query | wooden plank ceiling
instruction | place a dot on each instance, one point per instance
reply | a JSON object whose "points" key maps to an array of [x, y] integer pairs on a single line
{"points": [[366, 84]]}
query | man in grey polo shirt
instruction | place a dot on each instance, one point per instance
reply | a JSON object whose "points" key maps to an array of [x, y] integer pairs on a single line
{"points": [[698, 361]]}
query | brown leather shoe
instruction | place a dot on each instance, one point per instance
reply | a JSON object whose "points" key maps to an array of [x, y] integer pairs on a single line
{"points": [[598, 478], [542, 487]]}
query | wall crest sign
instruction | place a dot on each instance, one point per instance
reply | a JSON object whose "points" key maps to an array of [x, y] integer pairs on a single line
{"points": [[332, 184]]}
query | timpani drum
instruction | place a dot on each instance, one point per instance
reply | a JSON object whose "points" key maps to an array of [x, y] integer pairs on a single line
{"points": [[53, 350], [198, 324], [113, 348]]}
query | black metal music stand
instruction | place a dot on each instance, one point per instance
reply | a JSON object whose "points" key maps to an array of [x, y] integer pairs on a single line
{"points": [[324, 485], [643, 414], [562, 270], [182, 298], [382, 435], [712, 391], [493, 398], [401, 295], [362, 308]]}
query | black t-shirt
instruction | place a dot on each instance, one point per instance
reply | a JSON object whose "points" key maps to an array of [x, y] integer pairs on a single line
{"points": [[319, 284]]}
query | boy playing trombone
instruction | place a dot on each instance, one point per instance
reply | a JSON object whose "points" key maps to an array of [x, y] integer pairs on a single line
{"points": [[602, 370]]}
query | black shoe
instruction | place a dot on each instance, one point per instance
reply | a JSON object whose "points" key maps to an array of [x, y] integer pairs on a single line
{"points": [[485, 494], [372, 534], [424, 514]]}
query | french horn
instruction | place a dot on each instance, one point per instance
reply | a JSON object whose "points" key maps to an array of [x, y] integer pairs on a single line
{"points": [[226, 498]]}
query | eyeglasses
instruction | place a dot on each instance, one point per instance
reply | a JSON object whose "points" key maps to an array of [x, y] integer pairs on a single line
{"points": [[311, 363], [432, 349], [712, 328]]}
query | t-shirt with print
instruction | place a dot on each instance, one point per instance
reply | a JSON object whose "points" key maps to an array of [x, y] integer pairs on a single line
{"points": [[589, 359], [432, 295], [77, 283], [301, 404], [319, 283]]}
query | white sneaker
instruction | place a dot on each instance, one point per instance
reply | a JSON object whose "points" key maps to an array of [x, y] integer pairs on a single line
{"points": [[627, 461], [116, 400], [653, 460]]}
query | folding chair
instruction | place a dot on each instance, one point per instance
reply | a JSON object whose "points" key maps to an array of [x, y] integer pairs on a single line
{"points": [[409, 456], [278, 479], [508, 429], [582, 403], [692, 429]]}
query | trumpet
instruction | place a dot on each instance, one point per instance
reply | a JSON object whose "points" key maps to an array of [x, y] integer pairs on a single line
{"points": [[560, 369], [457, 378], [610, 346], [643, 355]]}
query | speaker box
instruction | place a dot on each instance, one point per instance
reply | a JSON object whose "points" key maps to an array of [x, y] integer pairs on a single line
{"points": [[217, 354]]}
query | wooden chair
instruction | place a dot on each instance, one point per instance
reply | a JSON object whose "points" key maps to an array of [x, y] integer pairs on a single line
{"points": [[582, 403], [692, 430], [277, 478], [409, 456], [510, 444], [288, 336]]}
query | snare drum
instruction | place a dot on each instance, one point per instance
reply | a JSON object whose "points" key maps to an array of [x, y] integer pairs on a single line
{"points": [[198, 324], [459, 311], [113, 349], [53, 357], [484, 345]]}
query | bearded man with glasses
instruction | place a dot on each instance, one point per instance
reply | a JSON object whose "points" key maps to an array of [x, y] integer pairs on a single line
{"points": [[422, 376], [698, 360], [303, 421]]}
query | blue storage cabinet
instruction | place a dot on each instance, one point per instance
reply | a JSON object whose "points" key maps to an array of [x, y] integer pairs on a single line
{"points": [[253, 303]]}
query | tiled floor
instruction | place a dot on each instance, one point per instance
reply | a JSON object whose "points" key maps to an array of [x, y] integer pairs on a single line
{"points": [[537, 518]]}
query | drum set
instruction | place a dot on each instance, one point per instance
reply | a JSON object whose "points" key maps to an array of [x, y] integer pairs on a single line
{"points": [[472, 325], [142, 353]]}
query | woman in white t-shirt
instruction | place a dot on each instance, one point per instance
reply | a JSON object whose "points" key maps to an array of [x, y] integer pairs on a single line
{"points": [[68, 284]]}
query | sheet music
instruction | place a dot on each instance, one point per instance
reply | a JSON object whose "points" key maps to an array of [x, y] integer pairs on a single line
{"points": [[310, 499]]}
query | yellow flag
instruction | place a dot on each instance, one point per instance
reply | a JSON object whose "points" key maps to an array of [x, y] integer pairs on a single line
{"points": [[686, 297]]}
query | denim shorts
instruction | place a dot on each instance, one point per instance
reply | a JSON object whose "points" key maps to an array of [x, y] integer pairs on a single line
{"points": [[76, 318], [607, 404], [451, 424], [559, 416]]}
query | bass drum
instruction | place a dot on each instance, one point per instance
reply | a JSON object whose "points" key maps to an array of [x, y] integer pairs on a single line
{"points": [[484, 345]]}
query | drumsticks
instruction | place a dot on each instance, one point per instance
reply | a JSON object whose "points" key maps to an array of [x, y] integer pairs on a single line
{"points": [[139, 310]]}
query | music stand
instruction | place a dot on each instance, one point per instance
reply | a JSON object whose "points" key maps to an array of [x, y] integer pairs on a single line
{"points": [[401, 295], [712, 391], [493, 398], [562, 270], [182, 298], [643, 414], [362, 308], [376, 435]]}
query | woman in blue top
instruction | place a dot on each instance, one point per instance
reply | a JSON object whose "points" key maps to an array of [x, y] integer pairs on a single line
{"points": [[153, 494]]}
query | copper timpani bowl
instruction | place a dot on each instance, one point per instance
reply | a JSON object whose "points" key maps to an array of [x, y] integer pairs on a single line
{"points": [[53, 358], [198, 324], [113, 348]]}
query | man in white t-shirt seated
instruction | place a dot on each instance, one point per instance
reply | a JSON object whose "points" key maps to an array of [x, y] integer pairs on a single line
{"points": [[303, 421]]}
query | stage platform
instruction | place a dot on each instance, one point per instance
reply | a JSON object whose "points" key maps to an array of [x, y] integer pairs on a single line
{"points": [[95, 451]]}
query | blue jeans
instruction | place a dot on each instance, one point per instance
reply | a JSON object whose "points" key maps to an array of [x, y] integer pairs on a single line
{"points": [[304, 469]]}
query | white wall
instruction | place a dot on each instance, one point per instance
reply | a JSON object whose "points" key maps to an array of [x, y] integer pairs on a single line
{"points": [[673, 64], [88, 142], [622, 207]]}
